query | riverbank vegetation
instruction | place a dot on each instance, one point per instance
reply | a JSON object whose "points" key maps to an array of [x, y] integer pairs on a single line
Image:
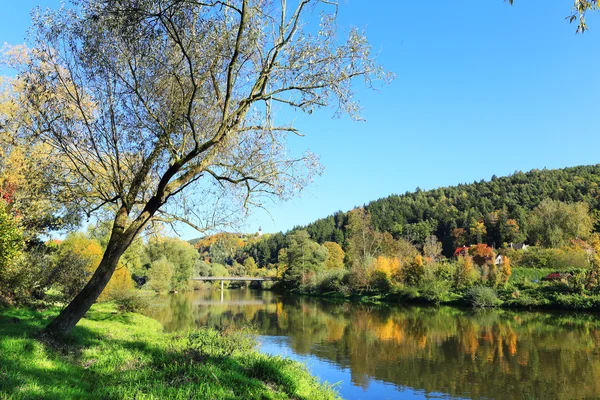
{"points": [[527, 240], [113, 355]]}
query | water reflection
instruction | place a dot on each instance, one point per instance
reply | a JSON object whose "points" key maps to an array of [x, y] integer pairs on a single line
{"points": [[493, 354]]}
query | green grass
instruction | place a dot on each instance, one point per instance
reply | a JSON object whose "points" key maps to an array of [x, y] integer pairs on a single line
{"points": [[128, 356], [519, 274]]}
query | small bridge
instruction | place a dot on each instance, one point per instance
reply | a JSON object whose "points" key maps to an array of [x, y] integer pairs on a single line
{"points": [[232, 278]]}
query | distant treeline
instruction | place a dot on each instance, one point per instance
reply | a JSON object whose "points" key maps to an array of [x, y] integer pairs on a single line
{"points": [[495, 212]]}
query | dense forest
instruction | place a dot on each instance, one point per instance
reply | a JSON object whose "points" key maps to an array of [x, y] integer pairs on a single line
{"points": [[495, 212]]}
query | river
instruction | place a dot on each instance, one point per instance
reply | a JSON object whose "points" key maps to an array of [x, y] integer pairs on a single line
{"points": [[398, 352]]}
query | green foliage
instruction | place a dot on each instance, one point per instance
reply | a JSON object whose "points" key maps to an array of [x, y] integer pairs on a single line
{"points": [[305, 258], [333, 280], [130, 300], [380, 281], [250, 266], [436, 283], [577, 301], [160, 275], [11, 238], [482, 296], [30, 276], [218, 270], [502, 204], [555, 224], [557, 259], [11, 245], [522, 274], [180, 254], [414, 271]]}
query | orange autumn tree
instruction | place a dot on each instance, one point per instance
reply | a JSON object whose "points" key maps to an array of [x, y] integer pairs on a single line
{"points": [[481, 253]]}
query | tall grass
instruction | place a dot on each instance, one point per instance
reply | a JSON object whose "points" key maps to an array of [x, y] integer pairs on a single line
{"points": [[112, 355]]}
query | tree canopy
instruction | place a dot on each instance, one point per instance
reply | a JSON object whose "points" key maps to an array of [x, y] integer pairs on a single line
{"points": [[164, 110]]}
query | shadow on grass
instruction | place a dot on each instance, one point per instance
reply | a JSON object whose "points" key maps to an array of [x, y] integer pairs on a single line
{"points": [[108, 361], [30, 368]]}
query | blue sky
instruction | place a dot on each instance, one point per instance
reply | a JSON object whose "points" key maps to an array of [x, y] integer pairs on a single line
{"points": [[482, 88]]}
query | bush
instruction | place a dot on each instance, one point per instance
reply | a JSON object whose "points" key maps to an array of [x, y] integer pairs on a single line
{"points": [[129, 300], [413, 272], [380, 281], [435, 290], [159, 275], [436, 283], [578, 302], [482, 296], [332, 281], [465, 272], [213, 343], [556, 259], [407, 293]]}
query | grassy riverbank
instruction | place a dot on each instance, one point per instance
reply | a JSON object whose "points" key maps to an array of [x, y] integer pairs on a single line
{"points": [[125, 356]]}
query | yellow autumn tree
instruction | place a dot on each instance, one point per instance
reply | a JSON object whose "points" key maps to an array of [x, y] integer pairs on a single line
{"points": [[120, 282], [465, 273], [390, 266], [79, 256], [335, 257], [282, 262]]}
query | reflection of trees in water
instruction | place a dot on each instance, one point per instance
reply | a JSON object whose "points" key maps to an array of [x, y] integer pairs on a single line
{"points": [[497, 354]]}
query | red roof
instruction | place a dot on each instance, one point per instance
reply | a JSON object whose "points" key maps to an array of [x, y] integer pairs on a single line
{"points": [[461, 250]]}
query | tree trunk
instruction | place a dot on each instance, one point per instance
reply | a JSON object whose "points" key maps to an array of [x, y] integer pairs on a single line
{"points": [[70, 316]]}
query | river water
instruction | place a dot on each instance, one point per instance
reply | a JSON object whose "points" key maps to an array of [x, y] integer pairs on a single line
{"points": [[396, 352]]}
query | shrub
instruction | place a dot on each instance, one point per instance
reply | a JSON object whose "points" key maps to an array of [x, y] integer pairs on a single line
{"points": [[129, 300], [482, 296], [578, 301], [435, 290], [465, 272], [332, 281], [407, 293], [556, 259], [159, 275], [380, 281], [436, 283], [220, 343], [11, 245], [522, 275], [413, 272]]}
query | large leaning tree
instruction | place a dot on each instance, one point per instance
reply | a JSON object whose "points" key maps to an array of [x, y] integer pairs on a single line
{"points": [[175, 110]]}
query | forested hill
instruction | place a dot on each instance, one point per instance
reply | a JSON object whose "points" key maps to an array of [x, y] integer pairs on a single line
{"points": [[494, 211]]}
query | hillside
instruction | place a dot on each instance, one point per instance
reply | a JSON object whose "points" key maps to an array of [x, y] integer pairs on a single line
{"points": [[496, 210]]}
